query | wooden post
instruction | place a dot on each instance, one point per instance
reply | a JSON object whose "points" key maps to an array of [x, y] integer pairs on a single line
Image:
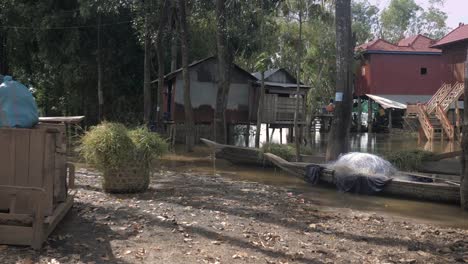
{"points": [[369, 116], [281, 135], [290, 135], [267, 125], [247, 136], [457, 119], [359, 117], [464, 145], [389, 119], [272, 133]]}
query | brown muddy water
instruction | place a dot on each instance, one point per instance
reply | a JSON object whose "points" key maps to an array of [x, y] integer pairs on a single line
{"points": [[201, 162], [378, 143]]}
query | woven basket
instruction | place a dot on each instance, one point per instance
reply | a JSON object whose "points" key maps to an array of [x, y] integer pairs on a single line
{"points": [[126, 180]]}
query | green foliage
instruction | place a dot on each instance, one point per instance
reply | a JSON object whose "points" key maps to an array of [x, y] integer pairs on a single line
{"points": [[405, 17], [286, 152], [108, 146], [408, 160], [365, 21], [111, 146], [149, 145]]}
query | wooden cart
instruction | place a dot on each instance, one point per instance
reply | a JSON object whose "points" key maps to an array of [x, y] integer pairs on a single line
{"points": [[34, 181]]}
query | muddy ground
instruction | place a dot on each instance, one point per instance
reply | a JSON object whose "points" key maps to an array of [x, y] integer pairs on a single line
{"points": [[200, 218]]}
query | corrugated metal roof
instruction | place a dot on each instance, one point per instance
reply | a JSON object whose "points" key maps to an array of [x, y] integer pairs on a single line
{"points": [[386, 103], [174, 73], [268, 73], [456, 35], [283, 85]]}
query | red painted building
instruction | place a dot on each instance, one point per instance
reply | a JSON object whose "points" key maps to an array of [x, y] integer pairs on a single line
{"points": [[454, 47], [408, 72]]}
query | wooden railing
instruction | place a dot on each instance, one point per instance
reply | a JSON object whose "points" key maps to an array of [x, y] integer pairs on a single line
{"points": [[452, 96], [281, 109], [444, 121], [438, 97], [425, 122]]}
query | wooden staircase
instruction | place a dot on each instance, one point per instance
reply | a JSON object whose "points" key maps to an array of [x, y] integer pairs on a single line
{"points": [[432, 116]]}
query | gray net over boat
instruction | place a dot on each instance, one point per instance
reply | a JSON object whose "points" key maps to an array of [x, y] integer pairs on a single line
{"points": [[359, 173]]}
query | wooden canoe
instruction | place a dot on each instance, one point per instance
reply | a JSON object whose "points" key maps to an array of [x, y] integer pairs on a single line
{"points": [[237, 155], [437, 191], [248, 156]]}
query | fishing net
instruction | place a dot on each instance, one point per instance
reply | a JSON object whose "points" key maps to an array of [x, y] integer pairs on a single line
{"points": [[357, 173], [362, 173]]}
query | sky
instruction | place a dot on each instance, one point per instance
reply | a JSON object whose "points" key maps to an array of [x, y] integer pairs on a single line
{"points": [[457, 10]]}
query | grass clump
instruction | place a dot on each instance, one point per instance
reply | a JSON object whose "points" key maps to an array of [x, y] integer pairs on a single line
{"points": [[408, 160], [148, 145], [123, 156], [286, 152], [107, 146]]}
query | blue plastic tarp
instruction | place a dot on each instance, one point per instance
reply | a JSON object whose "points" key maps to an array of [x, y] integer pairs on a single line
{"points": [[17, 105]]}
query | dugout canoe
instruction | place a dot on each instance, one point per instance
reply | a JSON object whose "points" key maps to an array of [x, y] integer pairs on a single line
{"points": [[439, 190], [249, 156], [238, 155]]}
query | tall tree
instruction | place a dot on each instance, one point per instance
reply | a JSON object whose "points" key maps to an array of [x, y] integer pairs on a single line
{"points": [[147, 100], [163, 11], [99, 71], [365, 20], [431, 21], [464, 175], [397, 18], [302, 6], [338, 141], [224, 64], [262, 68], [188, 123]]}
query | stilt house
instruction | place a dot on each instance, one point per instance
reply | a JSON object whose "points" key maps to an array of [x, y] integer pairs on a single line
{"points": [[243, 98]]}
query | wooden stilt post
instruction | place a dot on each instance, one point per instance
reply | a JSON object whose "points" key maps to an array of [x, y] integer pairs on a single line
{"points": [[390, 119], [267, 132], [272, 133], [369, 116], [281, 135], [247, 135], [457, 120], [359, 117]]}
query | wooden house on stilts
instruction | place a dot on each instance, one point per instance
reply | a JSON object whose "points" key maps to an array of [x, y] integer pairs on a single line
{"points": [[243, 98]]}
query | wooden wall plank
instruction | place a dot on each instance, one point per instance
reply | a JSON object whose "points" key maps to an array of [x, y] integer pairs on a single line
{"points": [[5, 157], [36, 166], [21, 176], [6, 170], [21, 157], [49, 172], [15, 235]]}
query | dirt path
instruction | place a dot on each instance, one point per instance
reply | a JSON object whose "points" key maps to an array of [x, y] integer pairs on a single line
{"points": [[187, 218]]}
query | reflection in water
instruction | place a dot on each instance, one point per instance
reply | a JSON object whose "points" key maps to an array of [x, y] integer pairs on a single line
{"points": [[363, 142], [200, 163]]}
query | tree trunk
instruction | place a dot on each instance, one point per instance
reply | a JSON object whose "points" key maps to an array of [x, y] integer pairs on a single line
{"points": [[224, 65], [189, 123], [147, 73], [259, 110], [174, 31], [3, 53], [298, 89], [464, 175], [338, 142], [99, 73], [160, 54]]}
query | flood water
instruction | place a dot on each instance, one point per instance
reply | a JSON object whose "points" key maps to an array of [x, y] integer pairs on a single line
{"points": [[377, 143], [433, 213]]}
